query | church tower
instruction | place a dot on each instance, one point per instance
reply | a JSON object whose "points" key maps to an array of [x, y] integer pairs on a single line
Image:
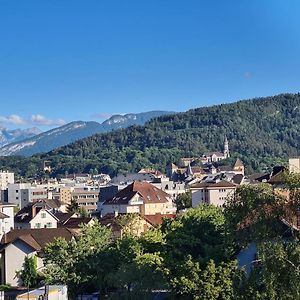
{"points": [[226, 148]]}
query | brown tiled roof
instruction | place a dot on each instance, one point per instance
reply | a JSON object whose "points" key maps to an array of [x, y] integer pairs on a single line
{"points": [[63, 217], [196, 169], [238, 178], [278, 178], [157, 219], [220, 184], [53, 203], [37, 238], [147, 191], [25, 214], [76, 222], [110, 220]]}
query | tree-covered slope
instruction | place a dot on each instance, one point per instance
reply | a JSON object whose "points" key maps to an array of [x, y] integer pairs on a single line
{"points": [[258, 131]]}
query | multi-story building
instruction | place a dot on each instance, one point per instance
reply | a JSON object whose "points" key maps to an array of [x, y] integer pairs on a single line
{"points": [[214, 193], [140, 197], [86, 197], [6, 178]]}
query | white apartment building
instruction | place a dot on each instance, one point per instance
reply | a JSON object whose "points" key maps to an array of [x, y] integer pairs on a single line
{"points": [[214, 193], [22, 194], [6, 178]]}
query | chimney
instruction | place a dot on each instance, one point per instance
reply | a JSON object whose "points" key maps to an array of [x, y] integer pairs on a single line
{"points": [[33, 211]]}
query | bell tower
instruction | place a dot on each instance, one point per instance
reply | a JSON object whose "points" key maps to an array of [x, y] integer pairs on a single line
{"points": [[226, 148]]}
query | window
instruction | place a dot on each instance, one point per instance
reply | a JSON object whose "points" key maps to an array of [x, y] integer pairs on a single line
{"points": [[43, 215], [49, 225], [17, 191], [38, 225]]}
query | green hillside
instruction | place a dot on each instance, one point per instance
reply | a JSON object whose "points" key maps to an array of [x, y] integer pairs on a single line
{"points": [[260, 131]]}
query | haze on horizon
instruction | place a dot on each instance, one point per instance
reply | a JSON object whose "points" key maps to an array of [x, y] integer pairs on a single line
{"points": [[75, 60]]}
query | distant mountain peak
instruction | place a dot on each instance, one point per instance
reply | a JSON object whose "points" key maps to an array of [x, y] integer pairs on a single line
{"points": [[71, 132]]}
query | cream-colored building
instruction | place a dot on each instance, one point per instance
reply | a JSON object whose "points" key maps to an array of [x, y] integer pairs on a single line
{"points": [[139, 197], [214, 193], [6, 178], [294, 165]]}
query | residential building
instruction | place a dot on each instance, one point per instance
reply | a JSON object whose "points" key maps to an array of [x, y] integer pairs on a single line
{"points": [[139, 197], [20, 243], [6, 217], [5, 179], [170, 187], [19, 193], [87, 198], [35, 215], [214, 193]]}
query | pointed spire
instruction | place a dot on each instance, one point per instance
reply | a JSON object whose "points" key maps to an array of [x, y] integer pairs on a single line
{"points": [[189, 170], [226, 147]]}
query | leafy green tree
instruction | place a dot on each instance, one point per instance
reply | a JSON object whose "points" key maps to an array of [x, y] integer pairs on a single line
{"points": [[29, 274], [73, 206], [276, 274], [82, 212], [79, 262], [183, 201]]}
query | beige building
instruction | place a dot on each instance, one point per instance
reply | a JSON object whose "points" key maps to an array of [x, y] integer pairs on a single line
{"points": [[84, 196], [139, 197], [6, 178], [214, 193], [294, 165]]}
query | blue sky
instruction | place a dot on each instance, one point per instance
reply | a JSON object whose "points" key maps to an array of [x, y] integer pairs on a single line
{"points": [[64, 60]]}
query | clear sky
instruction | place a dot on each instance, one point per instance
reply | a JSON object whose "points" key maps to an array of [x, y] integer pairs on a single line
{"points": [[64, 60]]}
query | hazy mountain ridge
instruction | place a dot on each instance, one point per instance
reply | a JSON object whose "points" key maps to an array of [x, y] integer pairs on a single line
{"points": [[71, 132], [8, 136]]}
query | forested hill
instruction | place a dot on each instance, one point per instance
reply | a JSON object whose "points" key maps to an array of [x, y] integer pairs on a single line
{"points": [[258, 131]]}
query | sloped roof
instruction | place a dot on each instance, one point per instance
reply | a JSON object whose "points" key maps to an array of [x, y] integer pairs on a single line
{"points": [[238, 178], [147, 191], [37, 238], [63, 217], [220, 184], [25, 214], [157, 219], [76, 222], [238, 163]]}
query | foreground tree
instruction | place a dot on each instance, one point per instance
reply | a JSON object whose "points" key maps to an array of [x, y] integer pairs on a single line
{"points": [[276, 274], [29, 274], [79, 263]]}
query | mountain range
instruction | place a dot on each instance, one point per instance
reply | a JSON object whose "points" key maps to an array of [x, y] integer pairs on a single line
{"points": [[261, 132], [32, 141], [8, 136]]}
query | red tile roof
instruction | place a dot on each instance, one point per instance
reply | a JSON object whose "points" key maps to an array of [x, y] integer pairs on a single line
{"points": [[147, 191]]}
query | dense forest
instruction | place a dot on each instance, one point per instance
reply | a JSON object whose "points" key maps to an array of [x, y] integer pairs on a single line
{"points": [[261, 131]]}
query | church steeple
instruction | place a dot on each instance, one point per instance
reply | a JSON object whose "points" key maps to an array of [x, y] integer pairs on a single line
{"points": [[226, 148]]}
